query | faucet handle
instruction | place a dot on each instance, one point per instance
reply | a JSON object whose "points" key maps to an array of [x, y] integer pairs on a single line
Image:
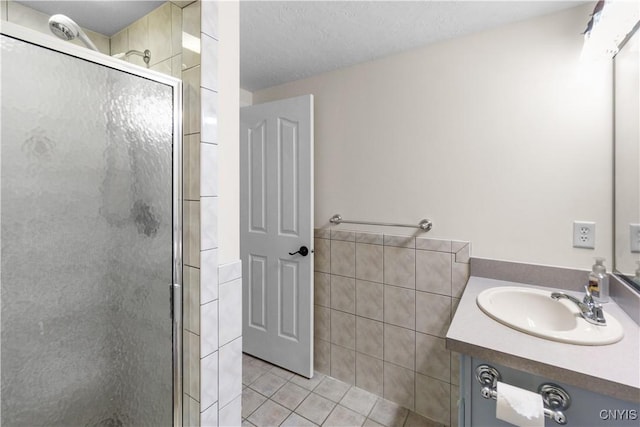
{"points": [[588, 298]]}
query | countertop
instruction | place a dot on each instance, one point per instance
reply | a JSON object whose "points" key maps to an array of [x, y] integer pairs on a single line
{"points": [[612, 370]]}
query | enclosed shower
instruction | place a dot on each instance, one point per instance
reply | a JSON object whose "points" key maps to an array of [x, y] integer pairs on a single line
{"points": [[90, 237]]}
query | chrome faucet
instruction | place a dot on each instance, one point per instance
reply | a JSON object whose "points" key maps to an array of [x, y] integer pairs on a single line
{"points": [[590, 310]]}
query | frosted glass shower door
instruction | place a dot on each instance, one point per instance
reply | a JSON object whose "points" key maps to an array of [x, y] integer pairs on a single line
{"points": [[87, 236]]}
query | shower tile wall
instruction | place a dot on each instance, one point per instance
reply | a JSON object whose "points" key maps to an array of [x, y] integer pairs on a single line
{"points": [[183, 39], [383, 304]]}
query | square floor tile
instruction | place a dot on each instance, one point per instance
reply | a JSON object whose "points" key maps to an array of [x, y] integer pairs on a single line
{"points": [[251, 400], [415, 420], [268, 384], [388, 413], [308, 383], [359, 400], [344, 417], [332, 389], [290, 395], [269, 414], [282, 373], [315, 408], [295, 420]]}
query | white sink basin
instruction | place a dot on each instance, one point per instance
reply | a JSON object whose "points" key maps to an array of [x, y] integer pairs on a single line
{"points": [[533, 311]]}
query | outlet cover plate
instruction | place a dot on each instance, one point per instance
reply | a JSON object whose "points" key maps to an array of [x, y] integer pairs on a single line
{"points": [[584, 234], [634, 237]]}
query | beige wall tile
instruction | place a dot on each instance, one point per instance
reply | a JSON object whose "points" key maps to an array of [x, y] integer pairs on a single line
{"points": [[191, 166], [343, 258], [343, 329], [322, 255], [343, 293], [322, 356], [176, 30], [191, 100], [139, 39], [369, 299], [371, 238], [400, 241], [463, 254], [456, 245], [433, 244], [433, 272], [120, 42], [369, 260], [459, 278], [455, 368], [432, 358], [343, 364], [454, 306], [369, 337], [433, 398], [191, 35], [322, 322], [433, 313], [163, 67], [159, 21], [400, 267], [191, 371], [190, 412], [322, 289], [399, 346], [176, 66], [3, 10], [347, 236], [369, 373], [191, 299], [399, 385], [322, 233], [400, 306], [191, 233]]}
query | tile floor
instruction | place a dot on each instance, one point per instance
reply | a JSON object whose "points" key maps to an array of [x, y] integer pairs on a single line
{"points": [[272, 396]]}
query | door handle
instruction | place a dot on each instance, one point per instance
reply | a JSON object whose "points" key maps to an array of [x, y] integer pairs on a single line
{"points": [[304, 251]]}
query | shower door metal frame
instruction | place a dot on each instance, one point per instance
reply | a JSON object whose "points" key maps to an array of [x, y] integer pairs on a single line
{"points": [[50, 42]]}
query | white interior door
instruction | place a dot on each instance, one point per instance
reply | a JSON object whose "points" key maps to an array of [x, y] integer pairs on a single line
{"points": [[276, 220]]}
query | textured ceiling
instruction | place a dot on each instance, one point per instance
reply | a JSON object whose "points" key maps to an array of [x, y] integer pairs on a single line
{"points": [[104, 17], [283, 41]]}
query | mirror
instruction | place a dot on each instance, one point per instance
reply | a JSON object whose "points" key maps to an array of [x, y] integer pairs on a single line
{"points": [[627, 159]]}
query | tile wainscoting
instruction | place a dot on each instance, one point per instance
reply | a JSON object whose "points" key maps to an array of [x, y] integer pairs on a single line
{"points": [[382, 307]]}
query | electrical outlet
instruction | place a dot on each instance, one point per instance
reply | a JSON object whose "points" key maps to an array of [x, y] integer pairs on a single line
{"points": [[584, 234], [634, 237]]}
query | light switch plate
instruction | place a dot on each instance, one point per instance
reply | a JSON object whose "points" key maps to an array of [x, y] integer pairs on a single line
{"points": [[584, 234]]}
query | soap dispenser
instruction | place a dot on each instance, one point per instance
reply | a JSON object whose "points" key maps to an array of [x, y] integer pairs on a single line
{"points": [[599, 282]]}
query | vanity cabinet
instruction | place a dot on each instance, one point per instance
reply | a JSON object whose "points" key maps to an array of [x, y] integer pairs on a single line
{"points": [[587, 408]]}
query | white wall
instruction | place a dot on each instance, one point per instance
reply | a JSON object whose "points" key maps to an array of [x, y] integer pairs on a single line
{"points": [[503, 138], [229, 132]]}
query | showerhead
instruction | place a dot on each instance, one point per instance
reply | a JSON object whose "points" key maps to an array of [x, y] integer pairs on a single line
{"points": [[66, 29]]}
